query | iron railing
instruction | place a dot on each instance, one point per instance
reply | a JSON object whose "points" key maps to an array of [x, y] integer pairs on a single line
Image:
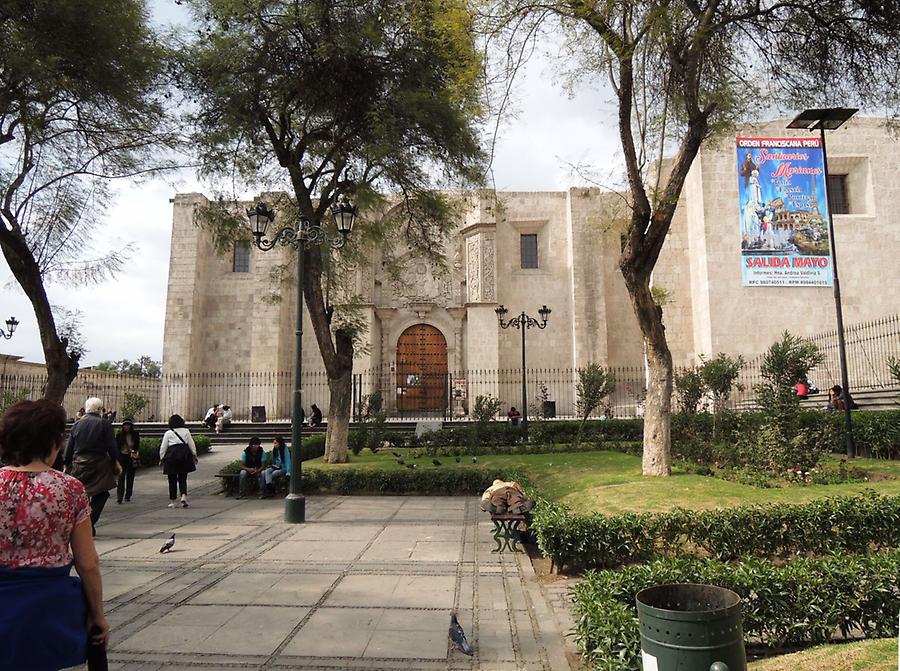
{"points": [[437, 393]]}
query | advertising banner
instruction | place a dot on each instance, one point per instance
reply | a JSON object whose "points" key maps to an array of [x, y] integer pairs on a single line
{"points": [[783, 213]]}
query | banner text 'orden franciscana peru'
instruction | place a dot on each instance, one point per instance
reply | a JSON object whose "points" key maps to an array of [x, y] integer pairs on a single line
{"points": [[783, 212]]}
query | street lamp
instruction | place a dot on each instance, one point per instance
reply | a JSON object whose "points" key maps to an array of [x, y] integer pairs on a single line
{"points": [[11, 324], [300, 236], [523, 322], [821, 120]]}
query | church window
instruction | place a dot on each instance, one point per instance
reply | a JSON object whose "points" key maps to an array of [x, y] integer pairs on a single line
{"points": [[241, 256], [838, 202], [529, 250]]}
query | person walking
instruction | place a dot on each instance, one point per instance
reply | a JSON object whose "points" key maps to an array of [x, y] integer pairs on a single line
{"points": [[129, 443], [178, 456], [49, 619], [91, 456]]}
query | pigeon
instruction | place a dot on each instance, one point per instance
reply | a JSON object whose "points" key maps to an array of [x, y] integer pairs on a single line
{"points": [[458, 636], [167, 547], [397, 454], [457, 459], [474, 460], [401, 462], [410, 466], [435, 462]]}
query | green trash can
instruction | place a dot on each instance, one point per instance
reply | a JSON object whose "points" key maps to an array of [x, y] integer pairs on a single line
{"points": [[690, 628]]}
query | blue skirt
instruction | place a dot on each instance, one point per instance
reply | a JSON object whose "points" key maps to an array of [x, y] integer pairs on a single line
{"points": [[42, 619]]}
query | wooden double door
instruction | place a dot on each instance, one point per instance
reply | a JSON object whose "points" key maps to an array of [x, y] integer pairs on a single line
{"points": [[421, 371]]}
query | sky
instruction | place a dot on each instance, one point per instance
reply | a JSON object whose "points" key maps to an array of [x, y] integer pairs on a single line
{"points": [[124, 318]]}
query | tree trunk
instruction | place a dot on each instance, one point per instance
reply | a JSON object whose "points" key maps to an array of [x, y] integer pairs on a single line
{"points": [[338, 418], [61, 368], [657, 458]]}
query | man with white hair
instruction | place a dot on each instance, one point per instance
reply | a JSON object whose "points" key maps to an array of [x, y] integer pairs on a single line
{"points": [[92, 456]]}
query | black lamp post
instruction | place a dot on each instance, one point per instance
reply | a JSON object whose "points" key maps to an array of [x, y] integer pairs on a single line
{"points": [[821, 120], [11, 324], [523, 322], [300, 236]]}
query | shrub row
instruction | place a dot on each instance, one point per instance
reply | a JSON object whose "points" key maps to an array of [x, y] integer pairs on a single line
{"points": [[149, 449], [447, 481], [693, 436], [820, 527], [524, 448], [800, 603], [502, 434]]}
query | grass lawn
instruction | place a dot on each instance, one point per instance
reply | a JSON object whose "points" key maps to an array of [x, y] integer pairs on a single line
{"points": [[611, 482], [877, 655]]}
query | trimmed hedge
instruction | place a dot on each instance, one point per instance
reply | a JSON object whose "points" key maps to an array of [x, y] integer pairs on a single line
{"points": [[820, 527], [524, 448], [447, 481], [149, 449], [800, 603]]}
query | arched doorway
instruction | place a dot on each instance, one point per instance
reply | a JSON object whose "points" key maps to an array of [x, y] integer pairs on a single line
{"points": [[421, 371]]}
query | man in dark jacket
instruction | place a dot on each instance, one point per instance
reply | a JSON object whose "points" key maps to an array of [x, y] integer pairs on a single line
{"points": [[92, 455]]}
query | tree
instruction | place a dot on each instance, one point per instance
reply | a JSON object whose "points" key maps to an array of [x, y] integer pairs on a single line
{"points": [[79, 103], [337, 99], [719, 375], [145, 366], [682, 71], [689, 386], [786, 362], [594, 384]]}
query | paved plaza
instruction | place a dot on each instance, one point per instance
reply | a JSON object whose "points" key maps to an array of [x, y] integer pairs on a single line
{"points": [[366, 582]]}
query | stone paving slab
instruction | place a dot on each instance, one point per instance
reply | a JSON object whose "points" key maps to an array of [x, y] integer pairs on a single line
{"points": [[366, 583]]}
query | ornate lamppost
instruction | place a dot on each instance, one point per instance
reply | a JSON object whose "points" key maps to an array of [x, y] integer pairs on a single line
{"points": [[523, 322], [300, 236], [11, 324]]}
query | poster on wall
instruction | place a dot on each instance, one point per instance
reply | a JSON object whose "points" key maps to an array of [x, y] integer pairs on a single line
{"points": [[783, 213]]}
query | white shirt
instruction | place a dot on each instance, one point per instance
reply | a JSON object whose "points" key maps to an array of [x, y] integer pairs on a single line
{"points": [[170, 438]]}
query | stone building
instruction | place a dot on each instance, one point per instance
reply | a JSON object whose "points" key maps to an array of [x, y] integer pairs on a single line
{"points": [[525, 250]]}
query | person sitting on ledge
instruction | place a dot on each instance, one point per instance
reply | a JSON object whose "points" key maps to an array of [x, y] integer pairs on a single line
{"points": [[224, 419], [281, 467], [252, 459], [315, 415]]}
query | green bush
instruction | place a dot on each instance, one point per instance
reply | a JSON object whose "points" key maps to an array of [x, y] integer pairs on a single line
{"points": [[149, 449], [820, 527], [446, 481], [800, 603]]}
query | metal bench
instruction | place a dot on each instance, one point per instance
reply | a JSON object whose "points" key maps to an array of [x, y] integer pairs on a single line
{"points": [[507, 532]]}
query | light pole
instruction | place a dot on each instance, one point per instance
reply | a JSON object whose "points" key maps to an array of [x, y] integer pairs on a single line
{"points": [[523, 322], [300, 236], [821, 120], [11, 324]]}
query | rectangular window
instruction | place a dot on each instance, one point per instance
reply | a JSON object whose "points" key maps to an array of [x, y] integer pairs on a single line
{"points": [[241, 256], [528, 247], [838, 202]]}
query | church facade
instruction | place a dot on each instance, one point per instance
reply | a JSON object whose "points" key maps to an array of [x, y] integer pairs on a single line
{"points": [[527, 250]]}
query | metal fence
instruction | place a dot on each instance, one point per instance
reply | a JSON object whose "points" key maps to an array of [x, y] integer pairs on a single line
{"points": [[433, 393]]}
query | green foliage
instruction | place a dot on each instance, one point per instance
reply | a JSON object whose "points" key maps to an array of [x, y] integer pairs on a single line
{"points": [[132, 405], [689, 387], [786, 362], [372, 427], [485, 409], [824, 526], [445, 481], [718, 375], [145, 366], [594, 384], [10, 397], [800, 603]]}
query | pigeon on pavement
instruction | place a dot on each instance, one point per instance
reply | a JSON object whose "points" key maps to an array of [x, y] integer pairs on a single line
{"points": [[435, 462], [458, 636], [167, 547]]}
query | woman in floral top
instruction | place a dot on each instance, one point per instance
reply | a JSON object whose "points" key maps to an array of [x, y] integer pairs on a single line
{"points": [[45, 527]]}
